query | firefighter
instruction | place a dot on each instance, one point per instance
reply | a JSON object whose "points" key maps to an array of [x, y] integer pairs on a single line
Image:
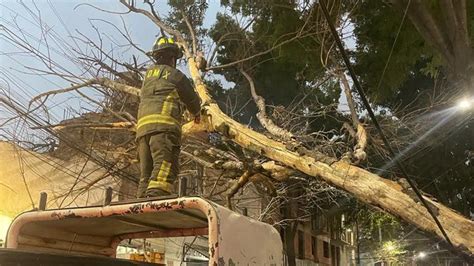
{"points": [[165, 92]]}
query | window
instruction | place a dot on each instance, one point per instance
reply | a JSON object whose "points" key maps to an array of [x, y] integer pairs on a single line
{"points": [[333, 255], [335, 228], [325, 249], [327, 224], [319, 223], [314, 247], [301, 244], [314, 221]]}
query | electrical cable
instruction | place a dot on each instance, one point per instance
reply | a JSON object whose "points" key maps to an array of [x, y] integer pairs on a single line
{"points": [[100, 161], [322, 4], [59, 167]]}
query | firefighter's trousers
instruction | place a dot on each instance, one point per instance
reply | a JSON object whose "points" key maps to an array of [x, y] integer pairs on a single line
{"points": [[159, 163]]}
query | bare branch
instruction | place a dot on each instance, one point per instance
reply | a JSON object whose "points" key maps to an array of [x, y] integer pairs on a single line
{"points": [[100, 9], [350, 100], [72, 88], [191, 31], [153, 16], [98, 81], [243, 179], [278, 172], [198, 160], [298, 35], [114, 125], [262, 117], [361, 135]]}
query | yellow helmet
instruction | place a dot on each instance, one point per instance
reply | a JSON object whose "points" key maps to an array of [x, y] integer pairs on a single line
{"points": [[166, 45]]}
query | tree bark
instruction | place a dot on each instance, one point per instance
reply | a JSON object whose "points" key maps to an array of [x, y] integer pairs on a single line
{"points": [[448, 36], [455, 29], [428, 27]]}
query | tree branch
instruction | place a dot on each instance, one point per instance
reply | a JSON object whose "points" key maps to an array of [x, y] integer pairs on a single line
{"points": [[298, 35], [112, 125], [243, 180], [262, 117], [428, 28], [72, 88], [157, 20], [96, 81], [350, 100], [191, 32], [361, 135]]}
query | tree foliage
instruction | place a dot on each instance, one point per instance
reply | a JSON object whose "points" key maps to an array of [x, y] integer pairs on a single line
{"points": [[292, 68]]}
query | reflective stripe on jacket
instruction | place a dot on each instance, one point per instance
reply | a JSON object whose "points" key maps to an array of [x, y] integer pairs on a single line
{"points": [[164, 91]]}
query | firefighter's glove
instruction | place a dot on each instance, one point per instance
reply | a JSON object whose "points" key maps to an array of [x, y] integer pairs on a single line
{"points": [[197, 119]]}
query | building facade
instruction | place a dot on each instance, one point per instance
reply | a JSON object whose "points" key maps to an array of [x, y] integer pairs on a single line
{"points": [[325, 241]]}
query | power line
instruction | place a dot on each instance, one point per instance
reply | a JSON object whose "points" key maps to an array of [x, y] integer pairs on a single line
{"points": [[58, 167], [100, 161], [376, 123]]}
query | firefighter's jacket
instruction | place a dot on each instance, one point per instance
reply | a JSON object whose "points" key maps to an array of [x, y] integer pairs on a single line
{"points": [[164, 91]]}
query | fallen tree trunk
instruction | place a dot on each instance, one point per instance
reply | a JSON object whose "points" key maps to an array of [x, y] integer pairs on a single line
{"points": [[362, 184]]}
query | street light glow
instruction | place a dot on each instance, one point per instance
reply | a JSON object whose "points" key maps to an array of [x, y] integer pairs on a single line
{"points": [[465, 103], [421, 255], [390, 246]]}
